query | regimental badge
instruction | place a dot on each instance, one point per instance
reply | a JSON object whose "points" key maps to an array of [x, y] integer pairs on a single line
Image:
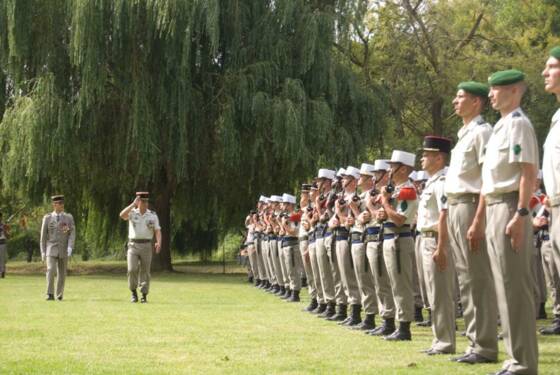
{"points": [[404, 205], [443, 199], [517, 149]]}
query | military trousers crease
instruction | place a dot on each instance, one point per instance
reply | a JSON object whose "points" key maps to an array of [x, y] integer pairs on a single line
{"points": [[324, 267], [554, 229], [347, 274], [513, 280], [364, 277], [440, 286], [312, 248], [306, 262], [398, 253], [139, 260], [339, 294], [420, 275], [285, 281], [374, 252], [58, 265], [260, 260], [476, 284], [253, 261], [293, 266]]}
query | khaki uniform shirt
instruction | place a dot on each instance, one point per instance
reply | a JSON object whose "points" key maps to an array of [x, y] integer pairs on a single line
{"points": [[465, 172], [142, 227], [432, 201], [58, 233], [513, 141], [551, 158]]}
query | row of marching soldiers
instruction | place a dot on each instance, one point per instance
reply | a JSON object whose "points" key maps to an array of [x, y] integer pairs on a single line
{"points": [[368, 239]]}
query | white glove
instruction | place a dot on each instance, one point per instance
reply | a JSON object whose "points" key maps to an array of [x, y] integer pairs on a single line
{"points": [[69, 251]]}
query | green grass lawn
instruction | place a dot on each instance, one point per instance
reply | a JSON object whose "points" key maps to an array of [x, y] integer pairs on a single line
{"points": [[196, 323]]}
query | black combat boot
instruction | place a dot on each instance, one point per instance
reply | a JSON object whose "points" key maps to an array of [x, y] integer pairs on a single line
{"points": [[341, 314], [320, 309], [304, 282], [401, 334], [134, 296], [329, 311], [427, 322], [355, 316], [418, 318], [312, 305], [3, 274], [385, 329], [287, 294], [144, 298], [269, 288], [280, 291], [50, 297], [294, 297], [257, 283], [367, 324], [250, 279], [542, 312]]}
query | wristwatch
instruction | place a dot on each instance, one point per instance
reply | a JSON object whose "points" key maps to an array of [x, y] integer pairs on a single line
{"points": [[523, 211]]}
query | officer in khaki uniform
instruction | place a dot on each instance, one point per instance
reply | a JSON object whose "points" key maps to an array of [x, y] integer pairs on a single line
{"points": [[312, 218], [374, 251], [344, 242], [437, 263], [307, 249], [400, 203], [142, 225], [290, 246], [462, 188], [325, 178], [358, 233], [551, 166], [508, 175], [58, 234]]}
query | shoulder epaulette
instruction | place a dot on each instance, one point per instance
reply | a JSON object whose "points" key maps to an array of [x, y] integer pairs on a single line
{"points": [[481, 122], [516, 114]]}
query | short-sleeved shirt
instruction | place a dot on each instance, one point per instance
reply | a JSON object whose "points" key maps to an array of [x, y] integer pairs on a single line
{"points": [[513, 141], [465, 171], [551, 158], [432, 201], [142, 227], [405, 207]]}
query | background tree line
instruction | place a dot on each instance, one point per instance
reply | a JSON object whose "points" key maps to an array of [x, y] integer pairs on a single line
{"points": [[208, 103]]}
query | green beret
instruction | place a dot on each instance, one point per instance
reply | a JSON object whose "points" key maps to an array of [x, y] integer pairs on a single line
{"points": [[555, 52], [506, 77], [474, 88]]}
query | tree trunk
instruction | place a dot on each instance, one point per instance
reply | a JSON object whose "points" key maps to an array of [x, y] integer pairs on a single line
{"points": [[437, 117], [162, 261]]}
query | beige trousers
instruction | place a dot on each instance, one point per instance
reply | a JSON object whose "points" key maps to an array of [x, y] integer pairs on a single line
{"points": [[364, 278], [260, 259], [253, 261], [513, 279], [339, 294], [139, 260], [420, 275], [551, 275], [325, 272], [316, 274], [60, 266], [381, 279], [476, 284], [440, 286], [347, 274], [293, 266], [306, 263], [398, 254]]}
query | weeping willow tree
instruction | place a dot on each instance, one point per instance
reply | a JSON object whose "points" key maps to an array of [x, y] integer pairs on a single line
{"points": [[206, 103]]}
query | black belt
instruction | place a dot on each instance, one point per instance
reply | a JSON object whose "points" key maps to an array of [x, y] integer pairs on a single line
{"points": [[389, 224], [390, 236], [342, 237], [272, 238], [357, 237], [546, 237], [304, 238], [141, 240], [289, 238], [289, 243]]}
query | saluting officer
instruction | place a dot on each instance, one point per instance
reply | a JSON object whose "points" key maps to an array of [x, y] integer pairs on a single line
{"points": [[142, 225], [58, 234], [400, 203], [462, 187], [509, 171], [290, 246], [437, 263]]}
